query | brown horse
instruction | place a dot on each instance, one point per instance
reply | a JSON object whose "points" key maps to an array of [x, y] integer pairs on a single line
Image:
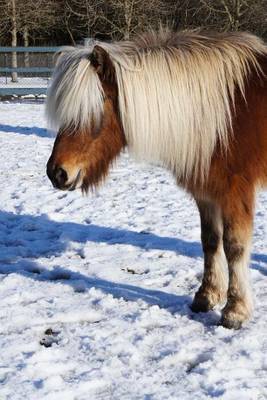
{"points": [[195, 103]]}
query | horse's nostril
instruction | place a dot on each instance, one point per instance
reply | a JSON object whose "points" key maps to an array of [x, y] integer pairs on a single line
{"points": [[60, 176], [56, 174]]}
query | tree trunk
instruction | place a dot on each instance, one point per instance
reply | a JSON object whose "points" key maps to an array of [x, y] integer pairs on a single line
{"points": [[26, 44], [14, 60], [127, 16]]}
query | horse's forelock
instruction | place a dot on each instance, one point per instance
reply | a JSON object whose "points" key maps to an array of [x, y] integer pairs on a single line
{"points": [[76, 97]]}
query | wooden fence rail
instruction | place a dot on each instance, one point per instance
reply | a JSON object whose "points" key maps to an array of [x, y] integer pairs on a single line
{"points": [[24, 86]]}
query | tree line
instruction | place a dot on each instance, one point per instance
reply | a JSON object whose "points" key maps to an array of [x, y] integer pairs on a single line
{"points": [[57, 22]]}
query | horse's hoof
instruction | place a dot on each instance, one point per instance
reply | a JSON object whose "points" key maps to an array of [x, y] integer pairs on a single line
{"points": [[201, 304], [230, 323]]}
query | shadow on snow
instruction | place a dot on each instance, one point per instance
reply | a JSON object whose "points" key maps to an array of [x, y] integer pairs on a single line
{"points": [[30, 237], [26, 130]]}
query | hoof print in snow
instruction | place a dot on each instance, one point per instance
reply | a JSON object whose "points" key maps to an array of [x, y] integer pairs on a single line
{"points": [[134, 272], [50, 338], [60, 276], [144, 232], [34, 270], [129, 270]]}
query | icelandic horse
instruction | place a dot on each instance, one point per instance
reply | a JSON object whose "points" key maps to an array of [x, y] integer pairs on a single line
{"points": [[193, 102]]}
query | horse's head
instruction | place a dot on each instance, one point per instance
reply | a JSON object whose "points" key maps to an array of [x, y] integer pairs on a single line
{"points": [[83, 103]]}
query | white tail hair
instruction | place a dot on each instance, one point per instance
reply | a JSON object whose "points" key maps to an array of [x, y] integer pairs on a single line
{"points": [[176, 93]]}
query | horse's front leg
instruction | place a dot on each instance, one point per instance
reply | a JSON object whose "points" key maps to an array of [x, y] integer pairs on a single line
{"points": [[238, 221], [214, 284]]}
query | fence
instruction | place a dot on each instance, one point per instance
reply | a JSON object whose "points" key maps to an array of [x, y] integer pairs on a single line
{"points": [[34, 69]]}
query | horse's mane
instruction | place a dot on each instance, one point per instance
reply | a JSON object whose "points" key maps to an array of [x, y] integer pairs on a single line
{"points": [[176, 92]]}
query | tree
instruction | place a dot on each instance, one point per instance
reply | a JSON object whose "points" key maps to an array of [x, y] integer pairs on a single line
{"points": [[80, 18], [25, 18], [65, 21], [226, 15], [123, 18]]}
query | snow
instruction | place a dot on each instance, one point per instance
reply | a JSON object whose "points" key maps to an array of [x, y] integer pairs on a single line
{"points": [[31, 82], [95, 291]]}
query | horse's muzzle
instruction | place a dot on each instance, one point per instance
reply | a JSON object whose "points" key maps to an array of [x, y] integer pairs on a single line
{"points": [[57, 175]]}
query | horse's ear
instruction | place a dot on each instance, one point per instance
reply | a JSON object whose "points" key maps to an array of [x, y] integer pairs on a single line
{"points": [[102, 63]]}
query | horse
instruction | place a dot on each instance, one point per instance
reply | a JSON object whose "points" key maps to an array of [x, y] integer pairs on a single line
{"points": [[192, 102]]}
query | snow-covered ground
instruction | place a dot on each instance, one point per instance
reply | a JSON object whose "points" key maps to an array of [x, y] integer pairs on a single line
{"points": [[95, 291], [30, 82]]}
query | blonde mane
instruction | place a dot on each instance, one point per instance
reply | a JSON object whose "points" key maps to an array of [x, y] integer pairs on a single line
{"points": [[176, 92]]}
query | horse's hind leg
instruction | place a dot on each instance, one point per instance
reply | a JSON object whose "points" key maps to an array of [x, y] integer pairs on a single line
{"points": [[214, 284], [238, 219]]}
